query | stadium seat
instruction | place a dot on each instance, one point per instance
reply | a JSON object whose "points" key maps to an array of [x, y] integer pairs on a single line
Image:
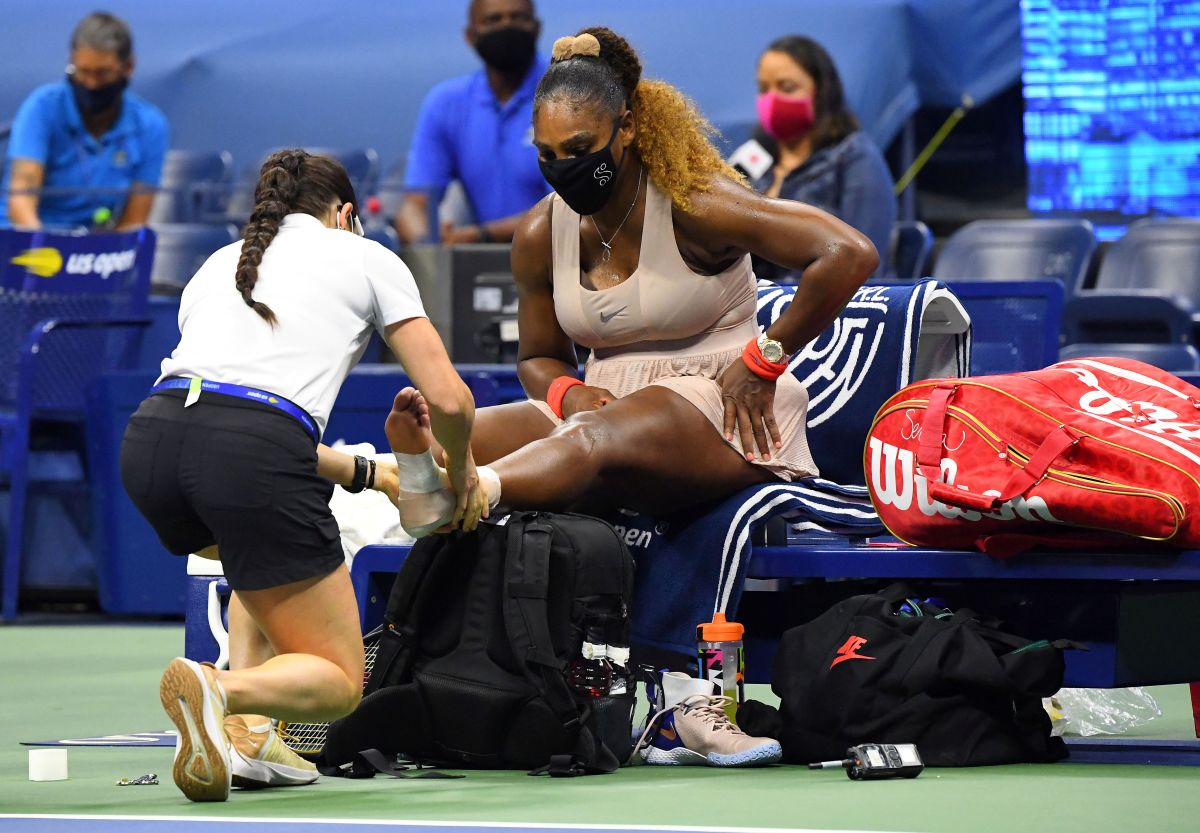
{"points": [[57, 337], [1014, 324], [182, 249], [1147, 289], [194, 187], [1173, 358], [1015, 250], [908, 251], [1162, 255]]}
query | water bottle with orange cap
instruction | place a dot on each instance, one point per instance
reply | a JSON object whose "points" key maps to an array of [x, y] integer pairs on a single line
{"points": [[719, 647]]}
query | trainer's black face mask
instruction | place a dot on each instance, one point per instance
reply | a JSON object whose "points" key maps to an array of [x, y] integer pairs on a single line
{"points": [[91, 101], [585, 183], [509, 49]]}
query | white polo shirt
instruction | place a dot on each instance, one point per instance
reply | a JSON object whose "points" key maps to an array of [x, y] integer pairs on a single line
{"points": [[328, 289]]}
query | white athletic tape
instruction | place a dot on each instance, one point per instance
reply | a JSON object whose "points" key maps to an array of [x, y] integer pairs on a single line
{"points": [[418, 473]]}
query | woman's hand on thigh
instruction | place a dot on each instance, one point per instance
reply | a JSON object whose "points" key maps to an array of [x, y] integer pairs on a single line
{"points": [[749, 401]]}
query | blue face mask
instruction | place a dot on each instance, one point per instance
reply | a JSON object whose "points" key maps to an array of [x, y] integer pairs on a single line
{"points": [[585, 182], [99, 100]]}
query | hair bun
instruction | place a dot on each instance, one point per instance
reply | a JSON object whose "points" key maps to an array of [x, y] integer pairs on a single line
{"points": [[573, 47]]}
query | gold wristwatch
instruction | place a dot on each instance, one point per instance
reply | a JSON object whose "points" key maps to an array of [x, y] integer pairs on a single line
{"points": [[771, 349]]}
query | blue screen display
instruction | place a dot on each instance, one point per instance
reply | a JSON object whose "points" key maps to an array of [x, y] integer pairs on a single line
{"points": [[1112, 106]]}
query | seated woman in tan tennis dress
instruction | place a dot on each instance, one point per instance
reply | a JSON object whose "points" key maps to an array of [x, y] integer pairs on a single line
{"points": [[643, 256]]}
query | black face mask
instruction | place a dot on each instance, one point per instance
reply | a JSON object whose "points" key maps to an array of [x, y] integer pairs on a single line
{"points": [[507, 50], [98, 100], [585, 182]]}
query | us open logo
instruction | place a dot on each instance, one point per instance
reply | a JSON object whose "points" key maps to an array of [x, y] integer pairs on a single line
{"points": [[47, 262], [102, 264]]}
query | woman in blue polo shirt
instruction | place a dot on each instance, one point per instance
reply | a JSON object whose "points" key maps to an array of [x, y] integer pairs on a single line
{"points": [[223, 459], [85, 151]]}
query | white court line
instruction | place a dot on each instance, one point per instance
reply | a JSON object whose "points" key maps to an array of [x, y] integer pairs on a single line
{"points": [[489, 825]]}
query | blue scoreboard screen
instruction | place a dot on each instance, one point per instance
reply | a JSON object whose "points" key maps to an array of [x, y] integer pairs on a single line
{"points": [[1112, 106]]}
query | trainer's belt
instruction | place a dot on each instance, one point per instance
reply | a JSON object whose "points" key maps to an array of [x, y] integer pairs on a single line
{"points": [[194, 387]]}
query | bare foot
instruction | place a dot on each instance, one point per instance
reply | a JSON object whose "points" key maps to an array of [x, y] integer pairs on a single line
{"points": [[407, 426], [425, 501]]}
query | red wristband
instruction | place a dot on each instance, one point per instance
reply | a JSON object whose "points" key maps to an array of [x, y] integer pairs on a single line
{"points": [[558, 389], [759, 366]]}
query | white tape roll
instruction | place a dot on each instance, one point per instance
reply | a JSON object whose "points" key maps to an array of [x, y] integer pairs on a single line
{"points": [[47, 765]]}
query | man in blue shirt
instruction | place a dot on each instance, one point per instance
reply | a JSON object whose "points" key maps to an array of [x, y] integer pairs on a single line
{"points": [[84, 151], [477, 129]]}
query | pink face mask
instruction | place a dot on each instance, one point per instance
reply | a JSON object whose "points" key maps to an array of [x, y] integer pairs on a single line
{"points": [[785, 118]]}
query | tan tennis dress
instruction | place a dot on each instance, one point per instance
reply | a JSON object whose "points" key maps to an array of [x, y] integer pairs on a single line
{"points": [[668, 326]]}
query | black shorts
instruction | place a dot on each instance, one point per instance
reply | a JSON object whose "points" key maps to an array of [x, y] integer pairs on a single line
{"points": [[235, 473]]}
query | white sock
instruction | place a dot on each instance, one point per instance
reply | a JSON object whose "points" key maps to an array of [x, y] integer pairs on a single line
{"points": [[488, 475]]}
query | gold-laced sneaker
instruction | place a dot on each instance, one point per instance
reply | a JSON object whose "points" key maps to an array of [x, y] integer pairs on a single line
{"points": [[261, 758], [196, 705]]}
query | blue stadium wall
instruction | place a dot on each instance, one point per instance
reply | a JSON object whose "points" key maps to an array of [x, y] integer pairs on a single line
{"points": [[247, 77]]}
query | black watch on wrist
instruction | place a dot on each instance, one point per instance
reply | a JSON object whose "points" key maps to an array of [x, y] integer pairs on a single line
{"points": [[360, 475], [485, 236]]}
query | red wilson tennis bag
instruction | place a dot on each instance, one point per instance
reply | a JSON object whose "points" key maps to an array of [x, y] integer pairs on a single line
{"points": [[1101, 452]]}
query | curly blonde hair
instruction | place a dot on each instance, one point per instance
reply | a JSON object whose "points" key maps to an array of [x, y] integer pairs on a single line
{"points": [[673, 137]]}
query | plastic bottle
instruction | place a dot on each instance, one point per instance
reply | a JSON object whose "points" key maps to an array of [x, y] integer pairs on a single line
{"points": [[591, 674], [720, 651]]}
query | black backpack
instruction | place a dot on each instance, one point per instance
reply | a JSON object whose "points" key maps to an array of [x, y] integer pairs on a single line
{"points": [[888, 668], [480, 628]]}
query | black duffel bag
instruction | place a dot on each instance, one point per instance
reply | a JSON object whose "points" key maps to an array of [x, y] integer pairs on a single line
{"points": [[888, 668], [479, 633]]}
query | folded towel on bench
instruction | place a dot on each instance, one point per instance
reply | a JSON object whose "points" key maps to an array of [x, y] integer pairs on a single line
{"points": [[693, 564], [885, 338]]}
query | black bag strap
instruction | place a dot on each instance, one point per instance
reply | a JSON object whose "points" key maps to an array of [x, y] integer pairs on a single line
{"points": [[527, 582], [371, 762], [590, 756], [404, 606]]}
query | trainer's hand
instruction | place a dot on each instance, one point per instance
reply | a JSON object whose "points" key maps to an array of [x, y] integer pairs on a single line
{"points": [[749, 407], [472, 499], [585, 398]]}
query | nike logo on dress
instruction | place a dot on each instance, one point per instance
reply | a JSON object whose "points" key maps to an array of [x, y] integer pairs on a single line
{"points": [[605, 318]]}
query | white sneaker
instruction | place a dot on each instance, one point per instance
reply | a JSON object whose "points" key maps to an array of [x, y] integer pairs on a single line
{"points": [[261, 758], [196, 705]]}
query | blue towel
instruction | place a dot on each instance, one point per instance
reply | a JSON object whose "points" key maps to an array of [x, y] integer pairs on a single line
{"points": [[885, 338], [693, 564]]}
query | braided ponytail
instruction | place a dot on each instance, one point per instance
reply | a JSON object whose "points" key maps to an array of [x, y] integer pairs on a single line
{"points": [[278, 182]]}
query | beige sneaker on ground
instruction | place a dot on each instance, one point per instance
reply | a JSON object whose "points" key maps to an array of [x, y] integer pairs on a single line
{"points": [[196, 705], [261, 758], [690, 727]]}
